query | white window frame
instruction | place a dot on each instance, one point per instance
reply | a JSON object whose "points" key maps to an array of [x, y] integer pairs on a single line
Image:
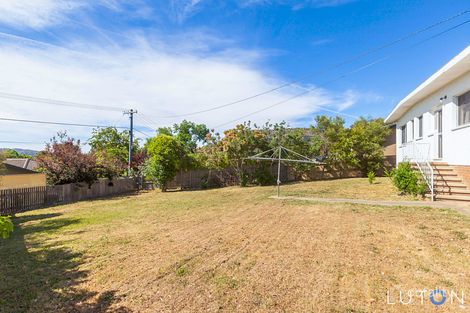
{"points": [[403, 129], [457, 108], [420, 123]]}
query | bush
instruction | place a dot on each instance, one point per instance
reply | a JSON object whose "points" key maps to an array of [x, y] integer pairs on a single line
{"points": [[164, 159], [244, 179], [407, 180], [263, 177], [6, 227], [210, 181], [371, 177]]}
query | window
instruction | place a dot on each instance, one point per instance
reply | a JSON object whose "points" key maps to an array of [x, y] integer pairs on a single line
{"points": [[412, 129], [403, 134], [464, 109], [420, 126]]}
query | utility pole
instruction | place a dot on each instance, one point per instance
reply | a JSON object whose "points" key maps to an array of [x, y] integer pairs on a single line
{"points": [[131, 113], [279, 173]]}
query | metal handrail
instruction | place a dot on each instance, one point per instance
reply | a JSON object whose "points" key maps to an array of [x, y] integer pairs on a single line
{"points": [[422, 160]]}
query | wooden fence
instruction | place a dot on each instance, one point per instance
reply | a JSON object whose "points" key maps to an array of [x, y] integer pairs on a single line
{"points": [[203, 178], [24, 199], [199, 179]]}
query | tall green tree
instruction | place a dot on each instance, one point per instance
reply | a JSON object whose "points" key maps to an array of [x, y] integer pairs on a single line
{"points": [[241, 142], [111, 148], [164, 161], [191, 136], [368, 137], [330, 141]]}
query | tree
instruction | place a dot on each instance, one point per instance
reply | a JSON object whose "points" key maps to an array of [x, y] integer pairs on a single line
{"points": [[13, 154], [111, 149], [2, 165], [368, 137], [164, 159], [190, 135], [6, 227], [63, 162], [241, 142], [330, 140], [212, 155], [294, 139]]}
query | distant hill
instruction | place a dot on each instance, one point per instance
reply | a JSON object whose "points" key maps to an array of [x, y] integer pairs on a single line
{"points": [[22, 151]]}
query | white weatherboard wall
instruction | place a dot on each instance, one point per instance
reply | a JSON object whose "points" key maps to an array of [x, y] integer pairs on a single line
{"points": [[456, 140]]}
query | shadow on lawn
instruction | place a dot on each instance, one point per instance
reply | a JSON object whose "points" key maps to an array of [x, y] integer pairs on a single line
{"points": [[39, 275]]}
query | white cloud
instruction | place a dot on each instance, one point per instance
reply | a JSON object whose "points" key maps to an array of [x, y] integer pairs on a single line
{"points": [[151, 78], [297, 4], [351, 97], [182, 9], [322, 42], [37, 13]]}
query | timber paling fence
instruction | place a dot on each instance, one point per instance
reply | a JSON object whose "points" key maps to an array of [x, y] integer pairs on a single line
{"points": [[18, 200]]}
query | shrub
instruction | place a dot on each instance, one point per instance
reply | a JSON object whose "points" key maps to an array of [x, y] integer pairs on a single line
{"points": [[244, 179], [164, 159], [210, 181], [407, 180], [371, 177], [263, 177], [6, 227]]}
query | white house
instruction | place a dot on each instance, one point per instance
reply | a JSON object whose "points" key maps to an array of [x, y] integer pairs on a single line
{"points": [[433, 127]]}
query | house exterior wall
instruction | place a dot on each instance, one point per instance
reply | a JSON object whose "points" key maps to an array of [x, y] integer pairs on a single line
{"points": [[22, 180], [390, 149], [456, 140]]}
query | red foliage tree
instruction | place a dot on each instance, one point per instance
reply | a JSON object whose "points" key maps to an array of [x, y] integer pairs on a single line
{"points": [[63, 162]]}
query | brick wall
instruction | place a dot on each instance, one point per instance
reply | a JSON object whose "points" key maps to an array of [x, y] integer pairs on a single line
{"points": [[464, 172]]}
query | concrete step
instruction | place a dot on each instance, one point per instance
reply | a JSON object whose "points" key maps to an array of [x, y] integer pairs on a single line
{"points": [[453, 197], [453, 179], [454, 191], [450, 185], [447, 170], [439, 163], [445, 175]]}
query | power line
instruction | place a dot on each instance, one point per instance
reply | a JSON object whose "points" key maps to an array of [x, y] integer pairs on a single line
{"points": [[147, 122], [100, 107], [22, 142], [58, 102], [304, 93], [334, 66], [342, 76], [58, 123]]}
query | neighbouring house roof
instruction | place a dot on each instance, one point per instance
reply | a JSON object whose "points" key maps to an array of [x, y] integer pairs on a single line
{"points": [[20, 165], [458, 66]]}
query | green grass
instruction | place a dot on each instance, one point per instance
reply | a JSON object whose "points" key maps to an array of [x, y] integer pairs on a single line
{"points": [[230, 249]]}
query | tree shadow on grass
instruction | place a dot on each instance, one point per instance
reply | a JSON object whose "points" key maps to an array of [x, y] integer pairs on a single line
{"points": [[41, 275]]}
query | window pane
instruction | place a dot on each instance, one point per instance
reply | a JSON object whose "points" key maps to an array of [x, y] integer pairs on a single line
{"points": [[464, 109], [420, 126], [403, 134]]}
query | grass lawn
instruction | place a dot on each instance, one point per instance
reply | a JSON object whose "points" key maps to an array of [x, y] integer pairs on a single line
{"points": [[233, 249], [349, 188]]}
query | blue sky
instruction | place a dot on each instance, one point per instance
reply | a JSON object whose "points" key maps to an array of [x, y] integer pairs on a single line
{"points": [[171, 58]]}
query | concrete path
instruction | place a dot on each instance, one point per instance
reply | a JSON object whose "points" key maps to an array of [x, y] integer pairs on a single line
{"points": [[461, 206]]}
